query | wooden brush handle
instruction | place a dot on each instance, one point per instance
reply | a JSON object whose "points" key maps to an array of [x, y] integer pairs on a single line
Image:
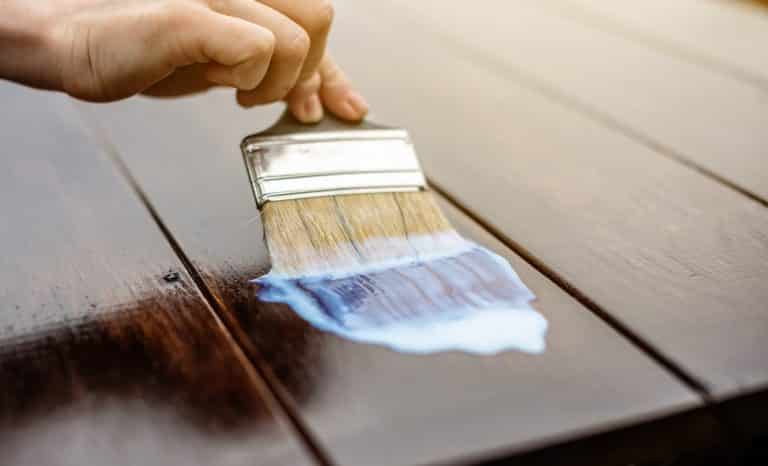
{"points": [[288, 124]]}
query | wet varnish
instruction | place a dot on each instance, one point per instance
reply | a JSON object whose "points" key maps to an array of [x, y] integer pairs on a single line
{"points": [[388, 269]]}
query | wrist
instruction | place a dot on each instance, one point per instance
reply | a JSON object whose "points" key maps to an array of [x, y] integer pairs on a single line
{"points": [[27, 44]]}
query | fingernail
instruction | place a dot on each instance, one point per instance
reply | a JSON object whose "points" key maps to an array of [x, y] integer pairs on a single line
{"points": [[311, 110], [358, 103]]}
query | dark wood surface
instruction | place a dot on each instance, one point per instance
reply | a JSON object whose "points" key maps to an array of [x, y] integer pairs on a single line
{"points": [[108, 352], [365, 404], [677, 257], [676, 107], [621, 155]]}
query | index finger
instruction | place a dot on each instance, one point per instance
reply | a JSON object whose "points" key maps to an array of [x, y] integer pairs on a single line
{"points": [[315, 17]]}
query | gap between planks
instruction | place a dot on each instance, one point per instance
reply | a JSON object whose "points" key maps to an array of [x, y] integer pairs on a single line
{"points": [[689, 380], [231, 330], [668, 47], [277, 394], [238, 336], [478, 57], [733, 433]]}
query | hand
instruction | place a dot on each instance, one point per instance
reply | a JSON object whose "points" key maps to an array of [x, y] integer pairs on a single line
{"points": [[104, 50]]}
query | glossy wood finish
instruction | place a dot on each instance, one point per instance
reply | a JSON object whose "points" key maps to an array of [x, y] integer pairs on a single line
{"points": [[672, 106], [108, 352], [365, 404], [677, 257]]}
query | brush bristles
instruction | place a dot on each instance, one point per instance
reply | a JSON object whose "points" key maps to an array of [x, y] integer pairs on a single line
{"points": [[323, 234], [389, 269]]}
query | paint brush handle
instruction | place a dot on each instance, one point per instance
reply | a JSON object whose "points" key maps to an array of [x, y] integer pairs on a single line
{"points": [[287, 124]]}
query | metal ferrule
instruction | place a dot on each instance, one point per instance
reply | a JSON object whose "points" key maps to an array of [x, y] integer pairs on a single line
{"points": [[301, 165]]}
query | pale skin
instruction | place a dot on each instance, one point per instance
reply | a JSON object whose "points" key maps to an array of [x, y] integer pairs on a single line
{"points": [[106, 50]]}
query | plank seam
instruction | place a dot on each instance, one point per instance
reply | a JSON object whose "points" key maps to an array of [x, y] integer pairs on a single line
{"points": [[551, 92], [216, 308], [654, 353], [668, 47], [548, 91]]}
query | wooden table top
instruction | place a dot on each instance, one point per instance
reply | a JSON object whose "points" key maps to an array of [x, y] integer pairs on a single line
{"points": [[617, 156]]}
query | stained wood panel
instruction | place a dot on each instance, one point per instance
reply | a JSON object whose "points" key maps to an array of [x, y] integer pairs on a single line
{"points": [[724, 35], [366, 404], [679, 258], [108, 352], [674, 106]]}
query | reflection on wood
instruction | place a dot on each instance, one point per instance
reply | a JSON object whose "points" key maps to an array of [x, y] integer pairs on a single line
{"points": [[108, 352], [369, 405], [676, 257], [159, 349], [674, 107]]}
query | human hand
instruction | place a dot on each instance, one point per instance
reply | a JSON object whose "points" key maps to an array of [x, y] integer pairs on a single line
{"points": [[105, 50]]}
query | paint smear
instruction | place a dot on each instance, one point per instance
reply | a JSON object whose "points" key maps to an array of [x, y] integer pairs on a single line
{"points": [[466, 298]]}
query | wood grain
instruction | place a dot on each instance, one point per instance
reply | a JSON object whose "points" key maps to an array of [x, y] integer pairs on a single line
{"points": [[672, 106], [677, 257], [366, 404], [722, 35], [108, 352]]}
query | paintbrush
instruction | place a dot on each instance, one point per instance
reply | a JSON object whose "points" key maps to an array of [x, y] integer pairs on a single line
{"points": [[360, 248]]}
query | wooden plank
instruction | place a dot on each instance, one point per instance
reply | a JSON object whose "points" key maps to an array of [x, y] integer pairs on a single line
{"points": [[676, 107], [721, 34], [366, 404], [108, 352], [678, 258]]}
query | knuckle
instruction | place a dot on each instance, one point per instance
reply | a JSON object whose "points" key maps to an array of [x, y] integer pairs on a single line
{"points": [[319, 17], [297, 46], [253, 47], [256, 48], [266, 47]]}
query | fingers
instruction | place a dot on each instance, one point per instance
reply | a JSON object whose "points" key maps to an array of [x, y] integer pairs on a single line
{"points": [[233, 52], [330, 87], [186, 80], [337, 93], [263, 53], [304, 102], [291, 47], [262, 48], [315, 17], [243, 44], [113, 53]]}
